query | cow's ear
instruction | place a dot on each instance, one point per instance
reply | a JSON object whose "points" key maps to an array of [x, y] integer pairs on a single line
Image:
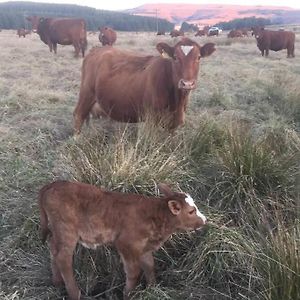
{"points": [[207, 49], [175, 207], [164, 48], [165, 189]]}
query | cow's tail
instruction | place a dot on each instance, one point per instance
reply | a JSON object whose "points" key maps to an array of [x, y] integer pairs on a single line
{"points": [[83, 39], [45, 231]]}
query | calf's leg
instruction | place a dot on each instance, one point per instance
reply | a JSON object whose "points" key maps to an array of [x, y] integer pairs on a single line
{"points": [[64, 261], [132, 271], [57, 279], [147, 264]]}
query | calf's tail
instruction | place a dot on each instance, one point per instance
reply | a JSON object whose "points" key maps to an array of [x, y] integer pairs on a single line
{"points": [[45, 231]]}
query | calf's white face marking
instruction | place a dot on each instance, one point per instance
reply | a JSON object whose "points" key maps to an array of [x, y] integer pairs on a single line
{"points": [[189, 200], [186, 49]]}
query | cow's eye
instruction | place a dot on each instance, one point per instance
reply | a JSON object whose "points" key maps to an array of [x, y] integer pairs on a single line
{"points": [[192, 212], [199, 56], [175, 57]]}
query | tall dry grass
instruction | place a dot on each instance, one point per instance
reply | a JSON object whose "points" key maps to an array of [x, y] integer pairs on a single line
{"points": [[238, 155]]}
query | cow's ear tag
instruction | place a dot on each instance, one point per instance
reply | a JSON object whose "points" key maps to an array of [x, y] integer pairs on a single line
{"points": [[164, 54]]}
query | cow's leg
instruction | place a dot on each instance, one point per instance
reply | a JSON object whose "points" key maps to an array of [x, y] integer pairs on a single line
{"points": [[77, 48], [291, 51], [147, 264], [64, 261], [267, 52], [50, 46], [262, 52], [83, 107], [55, 48]]}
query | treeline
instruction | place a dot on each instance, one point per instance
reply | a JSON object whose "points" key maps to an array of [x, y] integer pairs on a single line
{"points": [[13, 14], [243, 23]]}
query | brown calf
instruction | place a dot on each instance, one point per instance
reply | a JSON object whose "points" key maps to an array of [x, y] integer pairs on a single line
{"points": [[135, 224]]}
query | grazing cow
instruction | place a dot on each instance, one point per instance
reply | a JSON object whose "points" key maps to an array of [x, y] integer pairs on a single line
{"points": [[274, 40], [124, 85], [175, 33], [244, 31], [161, 33], [136, 225], [202, 32], [22, 32], [107, 36], [235, 33], [63, 31]]}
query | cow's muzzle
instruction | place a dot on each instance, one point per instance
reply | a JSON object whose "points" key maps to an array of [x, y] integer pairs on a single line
{"points": [[187, 84]]}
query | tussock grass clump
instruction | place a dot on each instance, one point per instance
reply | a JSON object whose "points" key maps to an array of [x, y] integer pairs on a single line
{"points": [[283, 94], [130, 159], [223, 261], [278, 262], [250, 166]]}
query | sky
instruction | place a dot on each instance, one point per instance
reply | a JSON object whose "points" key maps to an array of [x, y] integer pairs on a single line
{"points": [[125, 4]]}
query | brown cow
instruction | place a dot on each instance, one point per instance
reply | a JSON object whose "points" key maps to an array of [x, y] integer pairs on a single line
{"points": [[244, 31], [175, 33], [274, 40], [107, 36], [136, 225], [63, 31], [123, 85], [235, 34], [202, 32], [23, 32]]}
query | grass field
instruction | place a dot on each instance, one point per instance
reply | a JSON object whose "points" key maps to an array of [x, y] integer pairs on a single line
{"points": [[238, 156]]}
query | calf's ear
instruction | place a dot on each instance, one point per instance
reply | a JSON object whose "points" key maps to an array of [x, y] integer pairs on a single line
{"points": [[207, 49], [164, 48], [165, 189], [175, 207]]}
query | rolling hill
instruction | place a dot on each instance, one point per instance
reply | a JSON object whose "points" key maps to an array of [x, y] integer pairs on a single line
{"points": [[210, 14]]}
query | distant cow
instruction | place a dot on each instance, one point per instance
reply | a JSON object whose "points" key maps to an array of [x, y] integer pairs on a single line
{"points": [[244, 31], [235, 33], [107, 36], [175, 33], [63, 31], [23, 32], [274, 40], [161, 33], [202, 32], [122, 85], [136, 225]]}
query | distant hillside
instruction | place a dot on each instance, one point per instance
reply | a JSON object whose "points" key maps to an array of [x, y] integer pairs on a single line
{"points": [[210, 14], [12, 16]]}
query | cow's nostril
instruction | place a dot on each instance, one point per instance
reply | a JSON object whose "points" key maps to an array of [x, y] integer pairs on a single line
{"points": [[186, 84]]}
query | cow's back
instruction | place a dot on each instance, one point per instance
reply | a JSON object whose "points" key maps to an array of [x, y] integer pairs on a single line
{"points": [[124, 82], [276, 40], [66, 31]]}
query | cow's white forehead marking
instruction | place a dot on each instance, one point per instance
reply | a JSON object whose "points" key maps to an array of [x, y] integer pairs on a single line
{"points": [[186, 49], [189, 200]]}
